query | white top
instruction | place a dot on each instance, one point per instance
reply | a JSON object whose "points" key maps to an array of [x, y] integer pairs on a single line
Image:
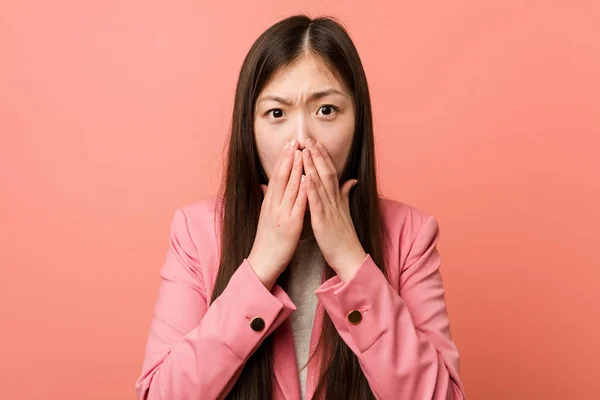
{"points": [[305, 271]]}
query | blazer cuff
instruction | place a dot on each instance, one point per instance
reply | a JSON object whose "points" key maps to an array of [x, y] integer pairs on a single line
{"points": [[245, 298], [362, 293]]}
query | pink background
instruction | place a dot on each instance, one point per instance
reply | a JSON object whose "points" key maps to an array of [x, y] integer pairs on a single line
{"points": [[114, 113]]}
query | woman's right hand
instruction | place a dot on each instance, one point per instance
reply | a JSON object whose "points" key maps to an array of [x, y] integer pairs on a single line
{"points": [[281, 217]]}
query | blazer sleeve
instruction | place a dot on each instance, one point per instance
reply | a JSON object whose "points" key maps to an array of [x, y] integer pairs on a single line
{"points": [[194, 351], [403, 340]]}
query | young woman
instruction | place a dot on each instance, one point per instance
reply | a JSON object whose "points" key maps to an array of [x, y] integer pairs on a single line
{"points": [[298, 281]]}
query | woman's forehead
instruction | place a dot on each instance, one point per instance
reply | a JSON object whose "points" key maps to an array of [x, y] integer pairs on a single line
{"points": [[307, 75]]}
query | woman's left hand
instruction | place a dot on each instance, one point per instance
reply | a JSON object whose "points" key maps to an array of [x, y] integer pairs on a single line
{"points": [[330, 212]]}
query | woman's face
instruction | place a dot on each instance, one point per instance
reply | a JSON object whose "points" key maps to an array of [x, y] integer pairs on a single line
{"points": [[304, 100]]}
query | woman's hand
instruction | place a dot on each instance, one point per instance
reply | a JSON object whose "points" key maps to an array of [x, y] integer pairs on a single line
{"points": [[281, 217], [330, 212]]}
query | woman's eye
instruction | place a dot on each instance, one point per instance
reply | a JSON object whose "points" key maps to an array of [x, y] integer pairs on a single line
{"points": [[328, 109], [276, 112]]}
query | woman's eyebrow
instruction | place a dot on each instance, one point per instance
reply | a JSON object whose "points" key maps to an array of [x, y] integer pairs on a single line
{"points": [[314, 96]]}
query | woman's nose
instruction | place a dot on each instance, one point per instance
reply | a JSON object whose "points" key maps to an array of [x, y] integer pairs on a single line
{"points": [[302, 133], [301, 143]]}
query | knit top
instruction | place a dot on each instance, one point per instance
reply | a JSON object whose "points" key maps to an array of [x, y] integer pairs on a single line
{"points": [[305, 269]]}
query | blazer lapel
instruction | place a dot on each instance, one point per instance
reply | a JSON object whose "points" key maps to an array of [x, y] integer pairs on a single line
{"points": [[315, 363], [284, 361]]}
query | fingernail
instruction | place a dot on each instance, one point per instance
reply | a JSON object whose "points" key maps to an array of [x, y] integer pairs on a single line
{"points": [[297, 155], [354, 184], [320, 148], [309, 142], [286, 147], [293, 143]]}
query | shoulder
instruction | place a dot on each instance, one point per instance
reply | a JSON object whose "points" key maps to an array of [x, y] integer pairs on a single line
{"points": [[200, 211], [404, 222], [195, 222], [400, 216], [410, 229]]}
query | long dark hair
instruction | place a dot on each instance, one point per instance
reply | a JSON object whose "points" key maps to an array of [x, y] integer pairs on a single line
{"points": [[341, 376]]}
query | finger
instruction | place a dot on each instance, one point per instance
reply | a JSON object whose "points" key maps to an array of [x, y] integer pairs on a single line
{"points": [[327, 175], [314, 200], [300, 205], [291, 191], [345, 191], [282, 174], [268, 189], [329, 162], [309, 167]]}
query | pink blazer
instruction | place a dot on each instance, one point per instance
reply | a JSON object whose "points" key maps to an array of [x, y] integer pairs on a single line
{"points": [[403, 340]]}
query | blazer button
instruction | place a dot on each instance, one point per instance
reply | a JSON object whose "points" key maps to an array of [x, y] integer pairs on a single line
{"points": [[257, 324], [354, 317]]}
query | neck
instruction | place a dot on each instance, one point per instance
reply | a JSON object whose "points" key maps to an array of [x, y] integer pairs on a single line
{"points": [[306, 227]]}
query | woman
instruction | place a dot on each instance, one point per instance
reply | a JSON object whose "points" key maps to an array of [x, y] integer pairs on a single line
{"points": [[237, 315]]}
